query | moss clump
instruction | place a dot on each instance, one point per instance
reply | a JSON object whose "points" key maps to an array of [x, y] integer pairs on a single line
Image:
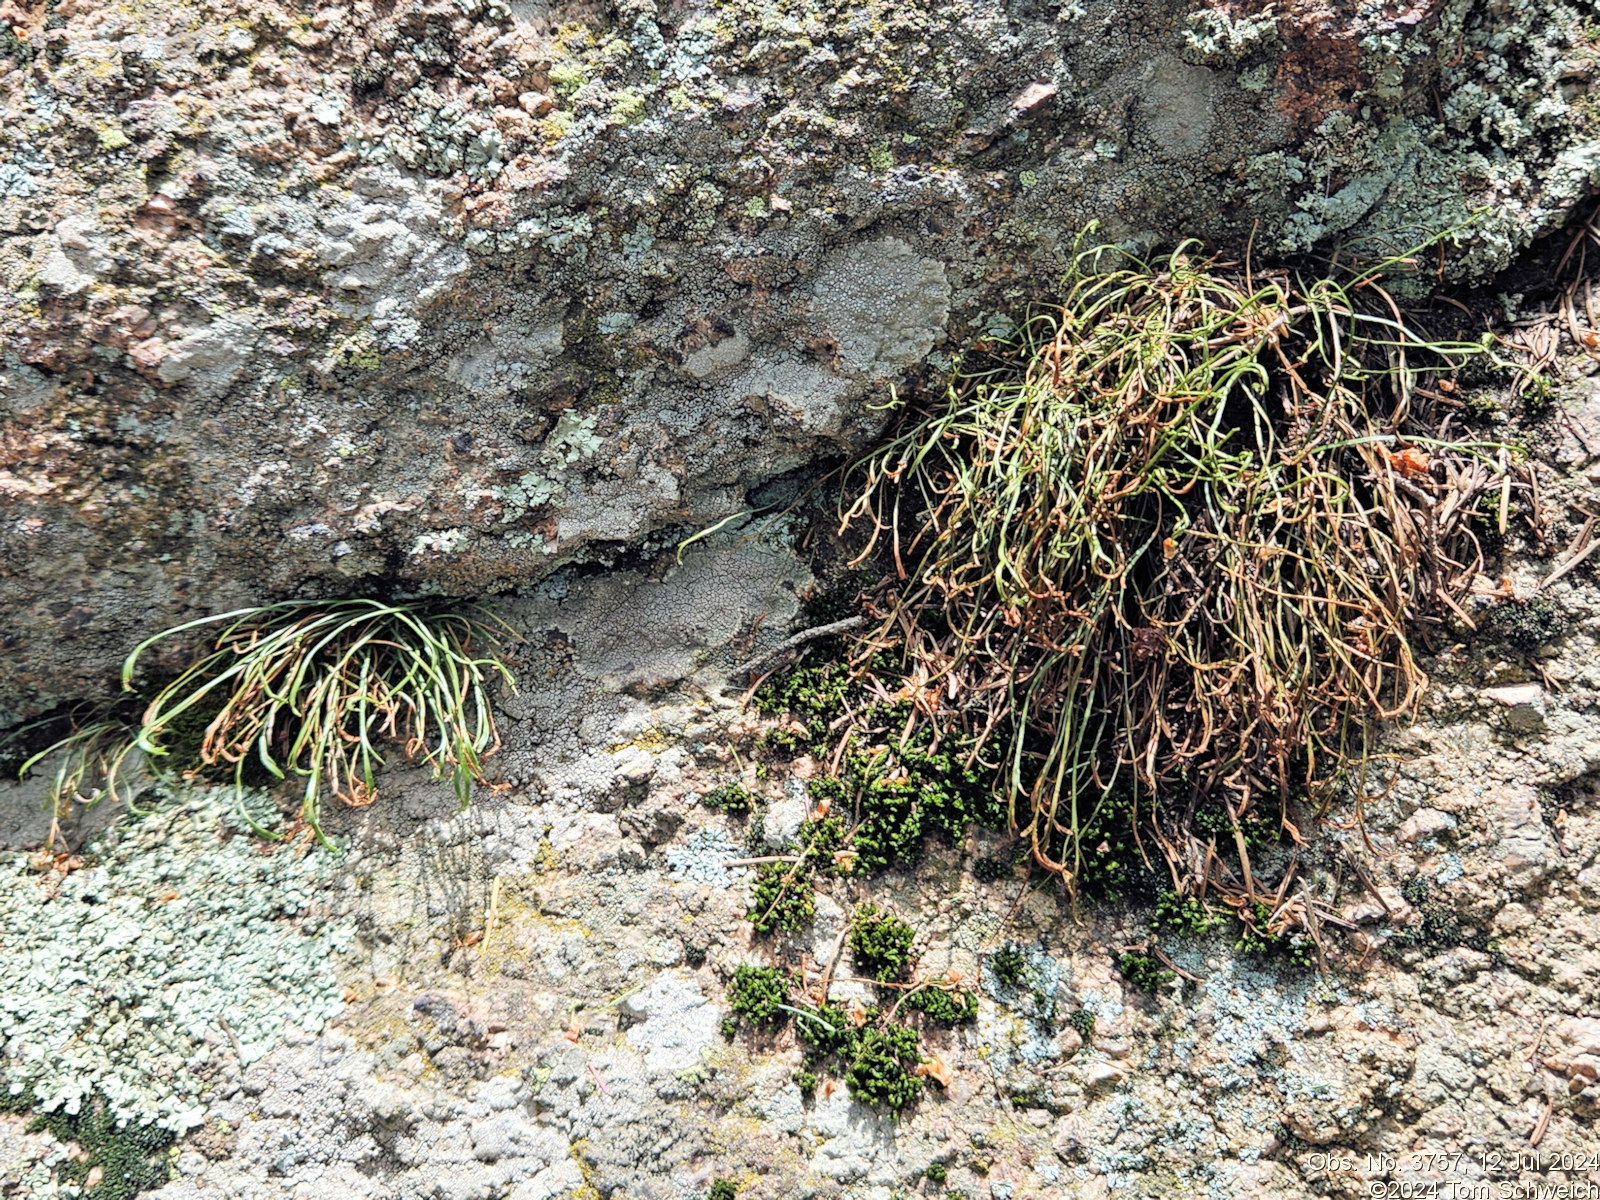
{"points": [[828, 1029], [950, 792], [881, 1066], [368, 76], [936, 1172], [1110, 863], [806, 1081], [879, 1060], [733, 798], [755, 834], [1415, 890], [722, 1189], [903, 787], [1144, 971], [1485, 524], [1044, 1004], [881, 943], [1526, 625], [1258, 938], [1181, 914], [1009, 965], [1082, 1019], [19, 50], [131, 1157], [1482, 408], [992, 870], [944, 1006], [901, 793], [782, 898], [1259, 831], [810, 695], [891, 822], [1441, 926], [757, 994], [823, 839]]}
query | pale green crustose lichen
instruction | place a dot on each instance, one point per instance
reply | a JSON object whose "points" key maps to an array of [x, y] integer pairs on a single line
{"points": [[128, 977]]}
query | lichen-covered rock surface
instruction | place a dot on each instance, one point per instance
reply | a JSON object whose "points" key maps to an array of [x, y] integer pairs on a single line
{"points": [[302, 300], [534, 996], [561, 303]]}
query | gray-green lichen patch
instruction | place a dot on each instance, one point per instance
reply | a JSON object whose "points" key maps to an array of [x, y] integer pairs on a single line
{"points": [[1506, 143], [185, 941], [574, 439], [883, 304], [530, 491], [1216, 37]]}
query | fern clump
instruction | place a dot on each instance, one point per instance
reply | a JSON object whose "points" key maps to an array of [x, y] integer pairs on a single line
{"points": [[92, 748], [309, 691], [315, 691], [1164, 546]]}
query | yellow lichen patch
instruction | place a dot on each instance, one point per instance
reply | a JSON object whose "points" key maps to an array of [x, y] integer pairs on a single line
{"points": [[520, 931], [652, 741]]}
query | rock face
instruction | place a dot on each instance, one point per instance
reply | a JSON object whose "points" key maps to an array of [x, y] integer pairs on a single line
{"points": [[574, 1050], [313, 300], [464, 298], [531, 1003]]}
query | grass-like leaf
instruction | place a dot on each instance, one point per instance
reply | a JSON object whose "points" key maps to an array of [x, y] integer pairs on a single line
{"points": [[314, 690], [91, 746]]}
